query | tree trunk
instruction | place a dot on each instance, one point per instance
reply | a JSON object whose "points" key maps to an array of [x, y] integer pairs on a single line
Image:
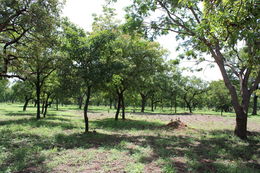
{"points": [[57, 104], [152, 104], [255, 104], [38, 92], [26, 103], [80, 101], [110, 103], [143, 102], [43, 106], [175, 104], [46, 106], [123, 105], [190, 108], [118, 106], [241, 124], [240, 109], [86, 109]]}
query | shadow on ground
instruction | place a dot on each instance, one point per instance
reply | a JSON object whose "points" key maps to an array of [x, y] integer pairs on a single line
{"points": [[202, 150]]}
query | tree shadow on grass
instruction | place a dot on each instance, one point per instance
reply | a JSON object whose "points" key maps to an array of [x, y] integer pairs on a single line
{"points": [[47, 122], [206, 153], [111, 124], [202, 150], [19, 114]]}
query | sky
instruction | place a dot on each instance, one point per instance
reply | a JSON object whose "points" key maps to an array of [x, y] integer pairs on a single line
{"points": [[80, 12]]}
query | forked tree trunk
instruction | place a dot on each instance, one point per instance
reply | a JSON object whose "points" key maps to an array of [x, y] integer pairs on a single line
{"points": [[241, 109], [86, 109]]}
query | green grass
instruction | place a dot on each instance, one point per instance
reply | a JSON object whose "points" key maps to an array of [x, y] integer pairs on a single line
{"points": [[138, 144]]}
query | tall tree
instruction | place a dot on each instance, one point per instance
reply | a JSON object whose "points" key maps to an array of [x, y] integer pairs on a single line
{"points": [[213, 27], [21, 22], [89, 57]]}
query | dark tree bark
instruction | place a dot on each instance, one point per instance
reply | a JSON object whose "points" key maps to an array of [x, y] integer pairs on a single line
{"points": [[255, 104], [110, 103], [38, 92], [175, 104], [27, 99], [152, 104], [43, 105], [118, 106], [144, 97], [123, 106], [57, 104], [88, 92], [47, 104], [80, 101]]}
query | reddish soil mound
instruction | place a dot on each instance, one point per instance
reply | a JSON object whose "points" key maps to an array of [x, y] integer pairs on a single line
{"points": [[177, 124]]}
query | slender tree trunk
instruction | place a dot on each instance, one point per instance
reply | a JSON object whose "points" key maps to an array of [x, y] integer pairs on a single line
{"points": [[38, 92], [152, 103], [26, 103], [118, 106], [255, 104], [110, 103], [43, 106], [86, 109], [143, 102], [123, 105], [46, 106], [80, 101], [115, 103], [57, 104], [190, 108], [175, 104]]}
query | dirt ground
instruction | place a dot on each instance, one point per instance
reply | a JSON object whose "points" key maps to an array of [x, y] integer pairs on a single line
{"points": [[191, 120]]}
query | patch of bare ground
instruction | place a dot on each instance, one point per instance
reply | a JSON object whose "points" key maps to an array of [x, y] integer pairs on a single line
{"points": [[180, 164]]}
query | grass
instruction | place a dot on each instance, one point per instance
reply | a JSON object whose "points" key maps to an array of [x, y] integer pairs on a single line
{"points": [[139, 144]]}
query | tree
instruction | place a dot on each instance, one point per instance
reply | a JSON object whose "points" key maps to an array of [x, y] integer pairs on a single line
{"points": [[21, 22], [191, 88], [23, 90], [3, 89], [216, 28], [40, 59], [89, 58], [255, 102], [218, 96]]}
